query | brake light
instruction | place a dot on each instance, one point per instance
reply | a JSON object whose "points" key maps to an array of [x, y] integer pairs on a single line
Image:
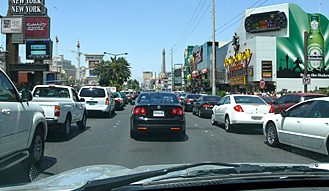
{"points": [[107, 101], [138, 110], [238, 108], [207, 105], [52, 86], [177, 111], [129, 95], [57, 110], [188, 101], [118, 100], [179, 98], [43, 113], [271, 109]]}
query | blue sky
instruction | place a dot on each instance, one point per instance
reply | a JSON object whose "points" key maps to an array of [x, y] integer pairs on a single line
{"points": [[144, 27]]}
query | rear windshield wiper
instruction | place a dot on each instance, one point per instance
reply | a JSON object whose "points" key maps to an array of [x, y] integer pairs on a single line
{"points": [[115, 182]]}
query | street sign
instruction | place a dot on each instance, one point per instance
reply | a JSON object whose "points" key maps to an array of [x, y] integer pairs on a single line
{"points": [[262, 84], [306, 80]]}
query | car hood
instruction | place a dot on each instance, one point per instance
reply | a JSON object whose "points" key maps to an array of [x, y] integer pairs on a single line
{"points": [[76, 178]]}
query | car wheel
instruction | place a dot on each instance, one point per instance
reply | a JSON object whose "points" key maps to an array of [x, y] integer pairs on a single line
{"points": [[113, 111], [67, 126], [199, 113], [193, 111], [213, 121], [133, 134], [82, 124], [182, 135], [227, 125], [271, 135], [36, 150]]}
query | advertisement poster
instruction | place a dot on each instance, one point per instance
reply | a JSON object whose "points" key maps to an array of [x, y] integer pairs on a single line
{"points": [[290, 51], [11, 25], [36, 27]]}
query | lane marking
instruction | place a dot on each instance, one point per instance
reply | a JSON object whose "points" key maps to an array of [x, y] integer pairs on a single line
{"points": [[114, 126], [206, 131], [196, 124]]}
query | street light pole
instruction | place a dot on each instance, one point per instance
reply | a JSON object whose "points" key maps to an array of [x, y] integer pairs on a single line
{"points": [[213, 50]]}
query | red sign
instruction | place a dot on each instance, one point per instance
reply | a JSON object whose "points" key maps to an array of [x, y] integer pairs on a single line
{"points": [[37, 27], [306, 80], [262, 84]]}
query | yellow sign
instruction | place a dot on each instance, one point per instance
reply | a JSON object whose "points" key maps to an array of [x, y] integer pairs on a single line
{"points": [[189, 77], [237, 58], [238, 81]]}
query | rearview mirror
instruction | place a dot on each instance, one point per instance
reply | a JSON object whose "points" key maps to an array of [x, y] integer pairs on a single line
{"points": [[26, 95], [285, 113]]}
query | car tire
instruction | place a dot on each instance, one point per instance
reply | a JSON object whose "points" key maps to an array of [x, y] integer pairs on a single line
{"points": [[272, 139], [67, 126], [227, 124], [133, 134], [113, 111], [199, 113], [36, 150], [213, 121], [182, 135], [193, 111], [83, 123]]}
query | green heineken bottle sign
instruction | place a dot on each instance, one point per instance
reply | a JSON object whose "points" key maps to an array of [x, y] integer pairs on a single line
{"points": [[315, 46]]}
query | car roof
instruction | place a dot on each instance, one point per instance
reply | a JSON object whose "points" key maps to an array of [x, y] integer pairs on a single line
{"points": [[243, 95], [306, 94], [50, 85], [319, 98], [94, 87]]}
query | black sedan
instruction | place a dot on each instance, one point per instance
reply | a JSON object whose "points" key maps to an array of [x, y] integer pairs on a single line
{"points": [[203, 106], [188, 101], [124, 97], [157, 112]]}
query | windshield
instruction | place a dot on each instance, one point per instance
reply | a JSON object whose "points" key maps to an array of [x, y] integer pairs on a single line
{"points": [[92, 92], [248, 100], [135, 83], [49, 92], [154, 98]]}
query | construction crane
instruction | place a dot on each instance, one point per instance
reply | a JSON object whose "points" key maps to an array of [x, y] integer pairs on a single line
{"points": [[320, 8], [78, 58]]}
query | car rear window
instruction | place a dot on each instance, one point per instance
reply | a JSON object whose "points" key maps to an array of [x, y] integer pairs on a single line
{"points": [[268, 99], [163, 98], [249, 100], [51, 92], [92, 92], [211, 98], [193, 96]]}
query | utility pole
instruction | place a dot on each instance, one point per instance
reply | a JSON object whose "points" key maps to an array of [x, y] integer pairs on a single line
{"points": [[57, 41], [213, 50], [172, 71], [78, 53]]}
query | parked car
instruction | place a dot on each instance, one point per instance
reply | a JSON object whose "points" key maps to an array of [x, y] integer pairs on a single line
{"points": [[98, 99], [23, 127], [203, 106], [304, 125], [267, 99], [240, 109], [188, 101], [124, 97], [119, 103], [157, 112], [61, 106], [288, 100]]}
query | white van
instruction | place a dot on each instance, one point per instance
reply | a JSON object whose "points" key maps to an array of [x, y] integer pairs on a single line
{"points": [[98, 99]]}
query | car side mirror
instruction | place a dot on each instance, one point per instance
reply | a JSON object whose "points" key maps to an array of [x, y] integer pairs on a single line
{"points": [[132, 103], [26, 95], [82, 100], [284, 113]]}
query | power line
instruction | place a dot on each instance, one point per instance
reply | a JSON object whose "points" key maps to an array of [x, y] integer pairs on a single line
{"points": [[189, 29], [194, 28]]}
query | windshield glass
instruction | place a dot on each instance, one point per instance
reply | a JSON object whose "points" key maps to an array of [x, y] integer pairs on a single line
{"points": [[92, 92], [161, 98], [136, 83], [51, 92], [248, 100]]}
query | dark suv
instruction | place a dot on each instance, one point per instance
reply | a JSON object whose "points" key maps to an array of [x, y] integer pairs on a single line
{"points": [[189, 100], [291, 99]]}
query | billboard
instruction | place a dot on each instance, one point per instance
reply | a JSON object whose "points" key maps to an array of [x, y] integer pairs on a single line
{"points": [[37, 27], [26, 7], [290, 50], [38, 50], [11, 25]]}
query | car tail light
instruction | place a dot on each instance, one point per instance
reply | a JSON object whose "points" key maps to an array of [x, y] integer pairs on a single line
{"points": [[238, 108], [129, 96], [51, 86], [107, 101], [188, 101], [177, 111], [207, 105], [179, 98], [271, 109], [138, 110], [118, 100], [57, 110]]}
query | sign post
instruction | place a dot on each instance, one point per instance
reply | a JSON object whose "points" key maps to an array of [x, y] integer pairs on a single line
{"points": [[306, 80]]}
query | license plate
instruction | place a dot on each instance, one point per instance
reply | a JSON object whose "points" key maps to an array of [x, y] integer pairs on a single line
{"points": [[158, 113], [256, 117]]}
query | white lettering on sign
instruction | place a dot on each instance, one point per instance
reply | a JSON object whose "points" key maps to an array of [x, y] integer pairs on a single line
{"points": [[36, 26], [27, 6], [26, 2]]}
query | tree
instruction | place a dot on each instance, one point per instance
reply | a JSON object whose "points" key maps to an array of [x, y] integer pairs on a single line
{"points": [[113, 71], [133, 84]]}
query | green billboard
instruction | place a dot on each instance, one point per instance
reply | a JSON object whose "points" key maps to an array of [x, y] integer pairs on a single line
{"points": [[290, 50]]}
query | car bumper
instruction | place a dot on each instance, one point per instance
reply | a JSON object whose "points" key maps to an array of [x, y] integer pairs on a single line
{"points": [[248, 119], [189, 107], [118, 105], [52, 121], [99, 108], [205, 111], [158, 125]]}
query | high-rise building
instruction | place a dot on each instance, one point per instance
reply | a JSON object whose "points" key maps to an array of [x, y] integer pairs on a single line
{"points": [[147, 75]]}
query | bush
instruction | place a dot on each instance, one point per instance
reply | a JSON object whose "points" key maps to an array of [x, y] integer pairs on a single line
{"points": [[294, 92], [281, 92], [289, 92], [221, 93]]}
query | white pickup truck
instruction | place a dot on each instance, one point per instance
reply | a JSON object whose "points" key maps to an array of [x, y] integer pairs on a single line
{"points": [[23, 128], [61, 105]]}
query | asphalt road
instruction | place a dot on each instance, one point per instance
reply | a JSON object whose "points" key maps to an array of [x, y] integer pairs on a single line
{"points": [[107, 141]]}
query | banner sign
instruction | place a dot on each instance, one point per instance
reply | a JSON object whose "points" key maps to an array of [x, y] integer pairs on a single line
{"points": [[266, 69], [94, 57], [25, 7], [37, 27], [11, 25]]}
